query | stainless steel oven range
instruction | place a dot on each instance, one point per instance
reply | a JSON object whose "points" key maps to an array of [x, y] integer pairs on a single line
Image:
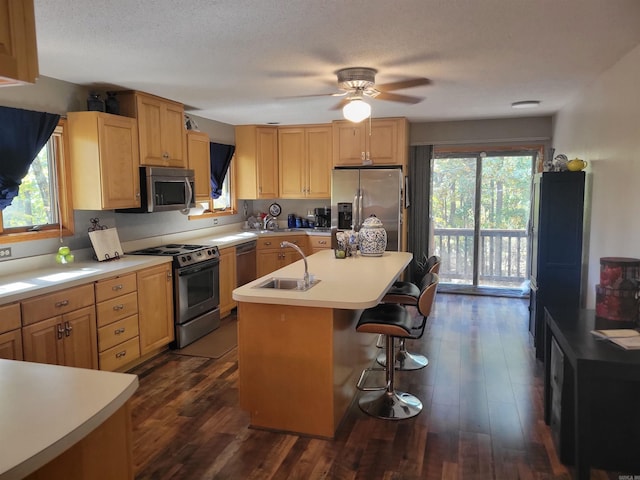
{"points": [[196, 289]]}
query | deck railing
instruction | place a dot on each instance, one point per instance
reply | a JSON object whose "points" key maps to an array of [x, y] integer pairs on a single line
{"points": [[503, 259]]}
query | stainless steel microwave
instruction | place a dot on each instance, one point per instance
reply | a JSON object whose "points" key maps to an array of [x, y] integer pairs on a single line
{"points": [[163, 189]]}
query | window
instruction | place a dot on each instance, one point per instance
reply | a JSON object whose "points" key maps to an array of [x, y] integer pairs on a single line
{"points": [[225, 204], [224, 201], [42, 208]]}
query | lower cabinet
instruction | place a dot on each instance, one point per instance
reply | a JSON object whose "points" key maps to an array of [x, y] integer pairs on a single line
{"points": [[271, 256], [155, 307], [68, 339], [562, 413], [318, 243], [227, 280], [10, 333]]}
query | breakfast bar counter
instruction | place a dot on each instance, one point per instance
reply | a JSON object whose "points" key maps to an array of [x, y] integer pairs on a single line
{"points": [[299, 355]]}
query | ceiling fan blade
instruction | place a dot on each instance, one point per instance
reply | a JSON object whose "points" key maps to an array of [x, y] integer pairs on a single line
{"points": [[414, 82], [395, 97], [340, 104], [341, 94]]}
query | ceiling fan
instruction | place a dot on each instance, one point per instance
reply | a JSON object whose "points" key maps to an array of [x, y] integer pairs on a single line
{"points": [[358, 83]]}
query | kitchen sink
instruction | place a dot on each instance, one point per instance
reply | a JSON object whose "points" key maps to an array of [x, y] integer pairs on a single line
{"points": [[285, 284]]}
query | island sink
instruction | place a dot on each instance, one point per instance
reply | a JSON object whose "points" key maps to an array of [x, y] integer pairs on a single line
{"points": [[287, 284]]}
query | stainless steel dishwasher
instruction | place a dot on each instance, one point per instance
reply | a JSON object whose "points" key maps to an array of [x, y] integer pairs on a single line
{"points": [[246, 262]]}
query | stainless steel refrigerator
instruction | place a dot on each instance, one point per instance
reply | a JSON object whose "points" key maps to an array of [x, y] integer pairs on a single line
{"points": [[357, 193]]}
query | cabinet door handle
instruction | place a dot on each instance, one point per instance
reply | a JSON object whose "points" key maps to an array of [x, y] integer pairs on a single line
{"points": [[118, 307], [118, 331], [121, 354], [165, 155], [67, 329], [63, 303], [60, 332], [169, 275], [115, 288]]}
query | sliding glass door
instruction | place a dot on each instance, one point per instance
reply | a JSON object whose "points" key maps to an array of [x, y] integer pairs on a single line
{"points": [[479, 208]]}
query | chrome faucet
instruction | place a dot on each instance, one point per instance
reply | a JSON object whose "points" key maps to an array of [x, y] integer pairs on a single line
{"points": [[304, 257]]}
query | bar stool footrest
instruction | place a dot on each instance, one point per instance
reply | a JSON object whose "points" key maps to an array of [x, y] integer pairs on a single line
{"points": [[362, 380]]}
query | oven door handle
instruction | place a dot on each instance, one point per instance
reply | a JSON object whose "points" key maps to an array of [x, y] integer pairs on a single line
{"points": [[197, 268]]}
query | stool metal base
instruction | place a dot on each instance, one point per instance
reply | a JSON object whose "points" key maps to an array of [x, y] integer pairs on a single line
{"points": [[405, 360], [390, 405]]}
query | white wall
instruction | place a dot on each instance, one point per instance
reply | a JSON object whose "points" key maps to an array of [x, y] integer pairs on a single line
{"points": [[602, 126]]}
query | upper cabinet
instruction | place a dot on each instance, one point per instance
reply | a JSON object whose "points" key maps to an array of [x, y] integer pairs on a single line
{"points": [[104, 161], [256, 160], [381, 141], [198, 155], [18, 50], [161, 129], [304, 156]]}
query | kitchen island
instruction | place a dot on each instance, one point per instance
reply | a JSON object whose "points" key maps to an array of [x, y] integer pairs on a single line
{"points": [[64, 423], [299, 355]]}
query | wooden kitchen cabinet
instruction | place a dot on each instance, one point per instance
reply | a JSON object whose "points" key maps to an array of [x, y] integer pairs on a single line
{"points": [[271, 256], [68, 339], [382, 141], [104, 161], [155, 307], [305, 161], [198, 155], [10, 333], [318, 243], [117, 320], [256, 158], [161, 132], [18, 52], [227, 280]]}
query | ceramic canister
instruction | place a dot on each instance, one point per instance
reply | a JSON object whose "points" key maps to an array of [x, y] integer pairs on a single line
{"points": [[372, 237]]}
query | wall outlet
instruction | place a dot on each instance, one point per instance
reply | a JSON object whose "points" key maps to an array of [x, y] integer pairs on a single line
{"points": [[215, 221], [5, 252]]}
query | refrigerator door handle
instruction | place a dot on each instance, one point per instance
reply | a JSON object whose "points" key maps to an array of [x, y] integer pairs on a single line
{"points": [[354, 219], [360, 220]]}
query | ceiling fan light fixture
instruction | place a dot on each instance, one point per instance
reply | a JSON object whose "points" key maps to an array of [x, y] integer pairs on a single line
{"points": [[356, 110]]}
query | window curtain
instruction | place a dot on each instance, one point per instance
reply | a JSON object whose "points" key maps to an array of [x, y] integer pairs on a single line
{"points": [[419, 195], [220, 159], [23, 133]]}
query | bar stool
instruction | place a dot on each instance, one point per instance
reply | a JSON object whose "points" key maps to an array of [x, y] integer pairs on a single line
{"points": [[390, 320], [408, 294]]}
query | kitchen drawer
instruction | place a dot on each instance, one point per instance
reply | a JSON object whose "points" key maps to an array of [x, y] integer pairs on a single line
{"points": [[117, 308], [318, 242], [114, 287], [57, 303], [117, 332], [273, 242], [120, 355], [9, 317]]}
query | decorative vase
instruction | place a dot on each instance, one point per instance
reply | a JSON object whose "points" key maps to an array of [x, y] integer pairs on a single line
{"points": [[372, 237], [95, 103], [111, 104]]}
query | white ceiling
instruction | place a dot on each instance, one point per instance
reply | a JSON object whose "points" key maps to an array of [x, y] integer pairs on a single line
{"points": [[241, 61]]}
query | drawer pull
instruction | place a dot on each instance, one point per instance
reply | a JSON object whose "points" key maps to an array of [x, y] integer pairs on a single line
{"points": [[67, 329], [267, 243], [115, 288], [121, 354], [118, 307], [322, 242], [118, 331], [63, 303]]}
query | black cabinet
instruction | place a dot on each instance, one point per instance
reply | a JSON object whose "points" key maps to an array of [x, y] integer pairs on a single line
{"points": [[556, 246], [561, 412]]}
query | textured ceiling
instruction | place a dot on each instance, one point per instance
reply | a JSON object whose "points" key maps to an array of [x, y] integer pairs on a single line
{"points": [[253, 61]]}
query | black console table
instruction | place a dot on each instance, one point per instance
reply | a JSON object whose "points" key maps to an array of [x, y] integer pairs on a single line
{"points": [[591, 394]]}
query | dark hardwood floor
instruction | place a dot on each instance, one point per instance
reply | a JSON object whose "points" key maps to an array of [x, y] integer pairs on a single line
{"points": [[482, 418]]}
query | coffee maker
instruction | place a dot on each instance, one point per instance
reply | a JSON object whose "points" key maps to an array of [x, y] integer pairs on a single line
{"points": [[323, 217]]}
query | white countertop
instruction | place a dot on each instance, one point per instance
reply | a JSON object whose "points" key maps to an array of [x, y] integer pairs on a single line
{"points": [[351, 283], [45, 409], [18, 286]]}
